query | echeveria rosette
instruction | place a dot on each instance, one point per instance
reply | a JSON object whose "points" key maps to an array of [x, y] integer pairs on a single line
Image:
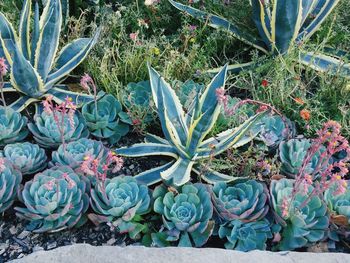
{"points": [[54, 200], [246, 201], [186, 215], [274, 130], [339, 209], [121, 201], [139, 94], [245, 236], [47, 134], [10, 180], [305, 219], [73, 153], [12, 126], [27, 157], [292, 154], [109, 121]]}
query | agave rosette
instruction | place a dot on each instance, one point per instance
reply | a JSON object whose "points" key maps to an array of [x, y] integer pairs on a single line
{"points": [[121, 201], [54, 200], [27, 157], [185, 134], [281, 24], [36, 69]]}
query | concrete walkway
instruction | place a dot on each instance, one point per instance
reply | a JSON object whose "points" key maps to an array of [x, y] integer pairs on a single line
{"points": [[88, 254]]}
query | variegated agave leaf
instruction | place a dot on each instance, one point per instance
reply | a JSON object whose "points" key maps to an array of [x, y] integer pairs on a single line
{"points": [[281, 24], [185, 134], [36, 65]]}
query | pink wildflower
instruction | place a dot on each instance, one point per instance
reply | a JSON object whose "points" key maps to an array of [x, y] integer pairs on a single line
{"points": [[86, 81], [134, 36], [3, 67], [48, 106]]}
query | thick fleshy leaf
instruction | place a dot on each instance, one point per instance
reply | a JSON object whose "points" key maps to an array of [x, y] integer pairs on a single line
{"points": [[262, 20], [179, 173], [219, 22], [24, 27], [36, 32], [50, 28], [148, 149], [70, 57], [153, 176], [61, 92], [22, 103], [6, 29], [236, 68]]}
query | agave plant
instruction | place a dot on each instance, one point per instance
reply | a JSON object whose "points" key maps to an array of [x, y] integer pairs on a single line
{"points": [[185, 134], [186, 215], [47, 132], [12, 126], [35, 69], [292, 154], [281, 24], [27, 157], [55, 199], [121, 201], [105, 119], [245, 236], [10, 180], [246, 201], [74, 153], [339, 209], [275, 130], [303, 218], [187, 91]]}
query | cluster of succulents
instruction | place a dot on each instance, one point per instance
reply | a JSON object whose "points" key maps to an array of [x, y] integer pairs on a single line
{"points": [[121, 201], [105, 119], [27, 157], [12, 126], [10, 180], [55, 199], [48, 134]]}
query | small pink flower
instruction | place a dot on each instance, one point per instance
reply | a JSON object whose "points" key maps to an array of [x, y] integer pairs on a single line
{"points": [[192, 28], [3, 67], [48, 106], [86, 81], [134, 36], [2, 165]]}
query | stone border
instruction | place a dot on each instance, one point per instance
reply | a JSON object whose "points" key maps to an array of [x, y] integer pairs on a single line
{"points": [[83, 253]]}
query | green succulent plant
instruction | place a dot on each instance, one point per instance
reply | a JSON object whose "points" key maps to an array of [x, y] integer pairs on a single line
{"points": [[246, 201], [27, 157], [47, 133], [139, 94], [339, 209], [304, 220], [187, 91], [73, 153], [54, 200], [10, 180], [121, 201], [246, 236], [281, 24], [35, 68], [186, 215], [292, 154], [185, 134], [274, 131], [105, 119], [12, 126]]}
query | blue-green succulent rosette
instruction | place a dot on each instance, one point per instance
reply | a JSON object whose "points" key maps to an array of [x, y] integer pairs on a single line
{"points": [[12, 126], [105, 119], [304, 220], [246, 236], [74, 153], [246, 201], [47, 134], [54, 200], [339, 209], [121, 201], [10, 180], [27, 157], [292, 154], [186, 215]]}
